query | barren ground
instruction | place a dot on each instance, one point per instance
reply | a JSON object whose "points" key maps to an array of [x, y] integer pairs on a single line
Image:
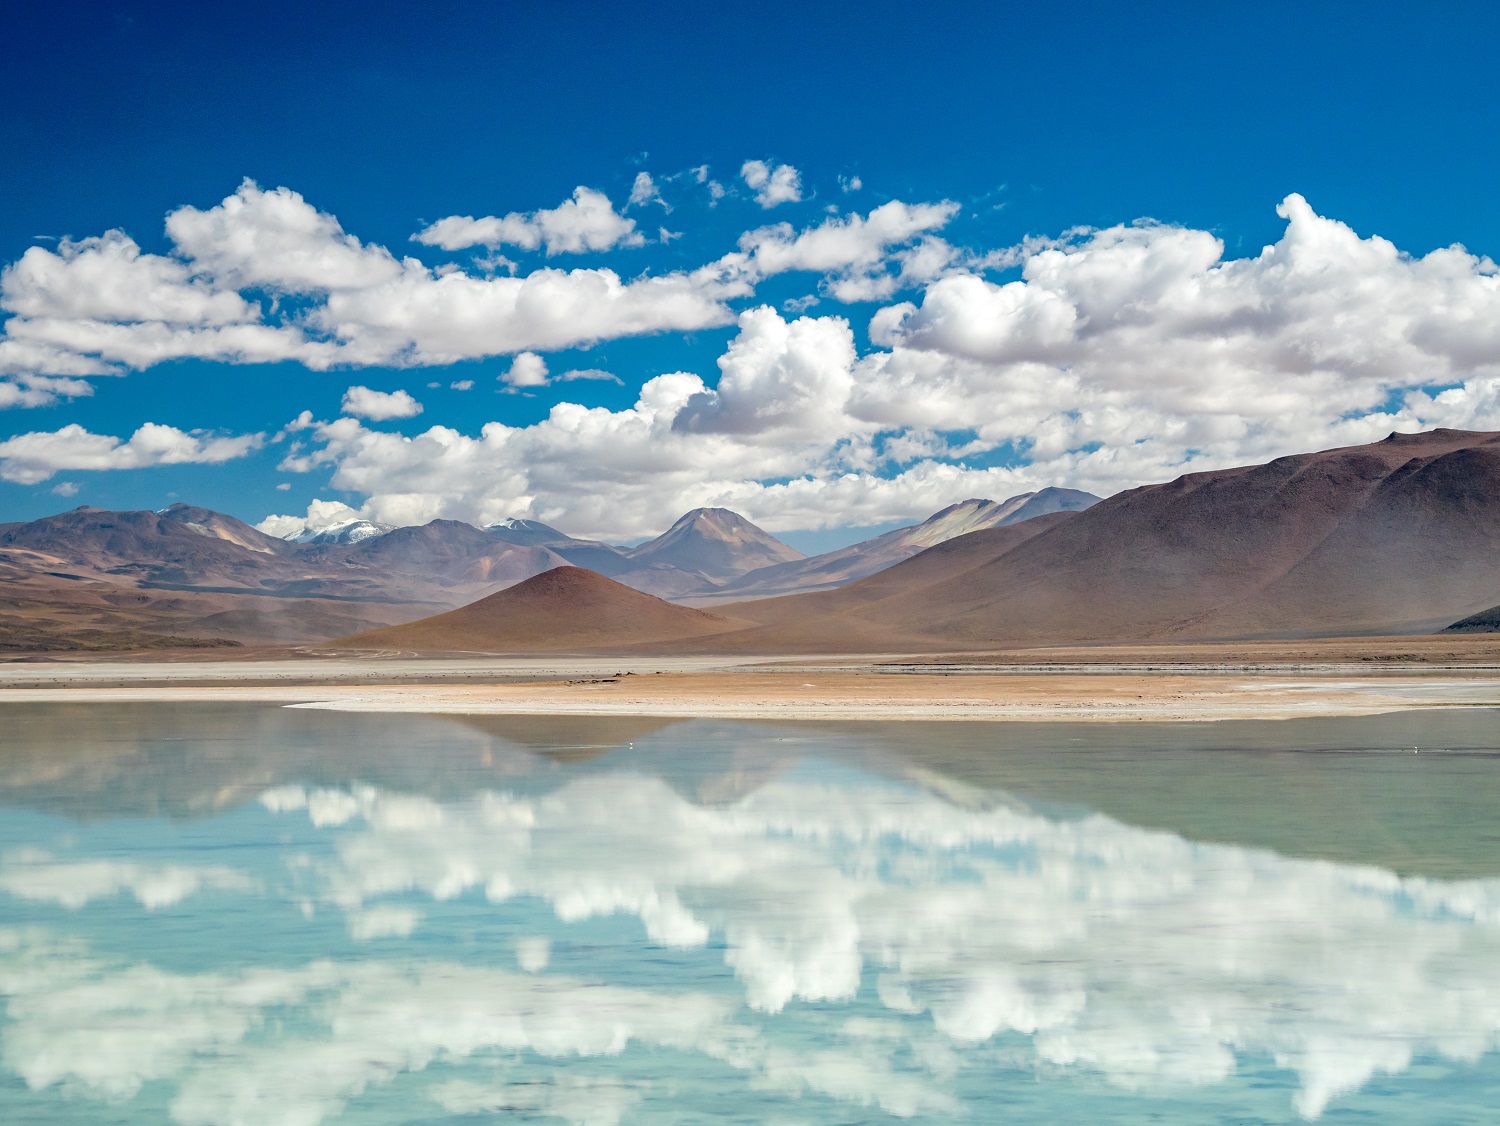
{"points": [[1350, 676]]}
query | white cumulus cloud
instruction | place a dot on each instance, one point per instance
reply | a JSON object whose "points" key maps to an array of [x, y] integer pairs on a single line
{"points": [[32, 458], [109, 279], [423, 317], [587, 222], [1119, 357], [101, 306], [379, 406], [264, 276], [40, 391], [1145, 342], [772, 183], [855, 252], [778, 381], [278, 241], [526, 370]]}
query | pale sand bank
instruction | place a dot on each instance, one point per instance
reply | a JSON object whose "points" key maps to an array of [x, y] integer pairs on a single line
{"points": [[704, 688]]}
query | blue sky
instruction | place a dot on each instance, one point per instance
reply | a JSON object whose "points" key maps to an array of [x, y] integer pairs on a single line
{"points": [[1013, 121]]}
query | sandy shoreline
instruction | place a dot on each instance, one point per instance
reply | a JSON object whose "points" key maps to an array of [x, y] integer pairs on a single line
{"points": [[744, 689]]}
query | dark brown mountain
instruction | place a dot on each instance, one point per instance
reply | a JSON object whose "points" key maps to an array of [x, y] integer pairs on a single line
{"points": [[1486, 621], [568, 609], [1397, 536]]}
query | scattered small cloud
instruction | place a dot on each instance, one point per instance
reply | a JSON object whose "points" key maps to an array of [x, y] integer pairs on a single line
{"points": [[772, 183], [66, 488], [496, 264], [587, 222], [588, 373], [526, 370], [461, 385], [645, 191], [379, 406]]}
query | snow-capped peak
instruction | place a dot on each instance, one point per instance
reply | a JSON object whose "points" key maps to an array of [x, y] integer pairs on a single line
{"points": [[346, 531]]}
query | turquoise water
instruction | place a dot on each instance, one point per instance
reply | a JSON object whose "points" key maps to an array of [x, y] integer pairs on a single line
{"points": [[258, 915]]}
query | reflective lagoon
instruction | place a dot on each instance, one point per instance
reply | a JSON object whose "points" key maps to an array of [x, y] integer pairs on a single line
{"points": [[258, 915]]}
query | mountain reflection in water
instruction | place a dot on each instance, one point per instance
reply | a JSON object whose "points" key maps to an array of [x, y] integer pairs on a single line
{"points": [[226, 915]]}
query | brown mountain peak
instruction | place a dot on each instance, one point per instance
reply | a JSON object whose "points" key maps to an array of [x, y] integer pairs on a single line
{"points": [[564, 609]]}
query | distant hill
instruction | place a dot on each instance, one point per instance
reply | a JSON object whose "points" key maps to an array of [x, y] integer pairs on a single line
{"points": [[847, 618], [847, 564], [663, 575], [445, 553], [714, 544], [98, 579], [102, 579], [1398, 536], [596, 556], [568, 609], [192, 539]]}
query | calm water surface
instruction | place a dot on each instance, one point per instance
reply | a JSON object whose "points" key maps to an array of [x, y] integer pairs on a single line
{"points": [[257, 915]]}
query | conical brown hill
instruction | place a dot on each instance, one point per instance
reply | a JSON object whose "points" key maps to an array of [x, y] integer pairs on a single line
{"points": [[566, 609], [1397, 536]]}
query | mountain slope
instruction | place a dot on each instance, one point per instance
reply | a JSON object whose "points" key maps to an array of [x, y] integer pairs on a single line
{"points": [[659, 577], [848, 564], [1486, 621], [818, 619], [715, 544], [1396, 536], [181, 536], [596, 556], [565, 609]]}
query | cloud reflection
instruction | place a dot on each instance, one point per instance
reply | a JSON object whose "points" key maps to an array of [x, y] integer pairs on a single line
{"points": [[891, 947], [32, 873], [1137, 955]]}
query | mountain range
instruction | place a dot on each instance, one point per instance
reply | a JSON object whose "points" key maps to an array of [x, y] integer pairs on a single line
{"points": [[1397, 536], [845, 565], [704, 549], [97, 579]]}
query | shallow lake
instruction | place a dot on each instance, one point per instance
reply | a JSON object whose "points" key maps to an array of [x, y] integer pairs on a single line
{"points": [[258, 915]]}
